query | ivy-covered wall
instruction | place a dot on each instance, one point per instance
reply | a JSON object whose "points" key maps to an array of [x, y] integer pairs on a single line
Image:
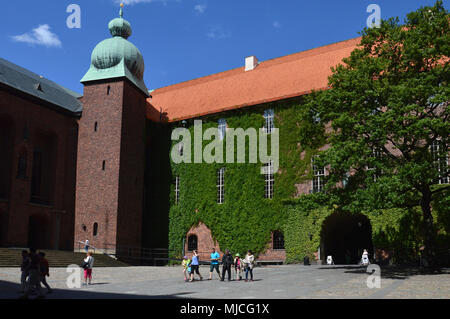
{"points": [[246, 219]]}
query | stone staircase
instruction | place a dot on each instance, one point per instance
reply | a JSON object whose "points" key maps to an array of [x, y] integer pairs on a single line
{"points": [[11, 257]]}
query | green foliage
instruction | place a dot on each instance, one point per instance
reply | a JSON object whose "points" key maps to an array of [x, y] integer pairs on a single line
{"points": [[246, 219], [388, 105]]}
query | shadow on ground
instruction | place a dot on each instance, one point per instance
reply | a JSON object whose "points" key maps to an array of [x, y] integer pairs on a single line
{"points": [[389, 272], [9, 290]]}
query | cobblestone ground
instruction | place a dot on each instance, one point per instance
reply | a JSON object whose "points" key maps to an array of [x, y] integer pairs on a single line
{"points": [[271, 282]]}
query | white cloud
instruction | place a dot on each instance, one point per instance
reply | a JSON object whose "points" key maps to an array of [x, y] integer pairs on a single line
{"points": [[217, 33], [276, 24], [200, 8], [40, 36]]}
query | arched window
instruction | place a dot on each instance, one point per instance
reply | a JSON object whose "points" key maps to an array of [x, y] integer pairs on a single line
{"points": [[278, 240], [95, 229], [192, 242], [22, 166]]}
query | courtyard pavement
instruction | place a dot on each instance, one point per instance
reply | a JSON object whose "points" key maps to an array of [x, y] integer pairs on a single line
{"points": [[271, 282]]}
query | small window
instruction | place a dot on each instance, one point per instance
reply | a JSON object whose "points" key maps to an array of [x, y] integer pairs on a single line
{"points": [[95, 229], [318, 182], [192, 243], [108, 90], [104, 165], [278, 240], [221, 186], [269, 121], [83, 227], [96, 127]]}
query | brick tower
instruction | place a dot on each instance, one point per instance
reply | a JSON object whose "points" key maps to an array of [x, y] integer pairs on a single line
{"points": [[111, 145]]}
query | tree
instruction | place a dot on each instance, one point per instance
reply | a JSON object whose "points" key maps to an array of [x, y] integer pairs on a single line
{"points": [[385, 118]]}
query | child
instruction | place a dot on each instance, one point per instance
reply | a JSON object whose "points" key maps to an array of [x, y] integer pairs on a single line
{"points": [[238, 267], [249, 264], [186, 267]]}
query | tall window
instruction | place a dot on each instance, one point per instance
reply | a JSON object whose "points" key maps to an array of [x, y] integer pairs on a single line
{"points": [[177, 189], [95, 229], [222, 127], [376, 153], [221, 186], [269, 121], [439, 152], [278, 240], [269, 180], [318, 181], [22, 166], [192, 243]]}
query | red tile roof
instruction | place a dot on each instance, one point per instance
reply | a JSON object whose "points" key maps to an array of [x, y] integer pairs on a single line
{"points": [[285, 77]]}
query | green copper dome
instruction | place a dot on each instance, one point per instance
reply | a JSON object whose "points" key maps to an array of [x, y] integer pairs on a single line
{"points": [[117, 57]]}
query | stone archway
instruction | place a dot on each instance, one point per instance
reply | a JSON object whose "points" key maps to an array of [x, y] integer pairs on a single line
{"points": [[344, 236]]}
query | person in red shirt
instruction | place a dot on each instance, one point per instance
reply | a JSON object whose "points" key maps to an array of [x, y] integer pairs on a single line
{"points": [[45, 271]]}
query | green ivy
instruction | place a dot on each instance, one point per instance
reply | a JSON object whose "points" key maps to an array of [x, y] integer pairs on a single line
{"points": [[246, 219]]}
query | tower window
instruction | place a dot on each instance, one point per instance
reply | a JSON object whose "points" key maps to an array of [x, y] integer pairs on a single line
{"points": [[95, 229], [108, 90], [22, 166], [96, 126], [104, 165]]}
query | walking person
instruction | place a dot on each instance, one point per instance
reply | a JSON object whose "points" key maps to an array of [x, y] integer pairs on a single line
{"points": [[33, 270], [238, 267], [249, 261], [195, 264], [86, 246], [87, 265], [214, 263], [186, 267], [24, 271], [45, 271], [227, 262], [365, 258]]}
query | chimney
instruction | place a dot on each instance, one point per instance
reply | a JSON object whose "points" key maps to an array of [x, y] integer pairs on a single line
{"points": [[251, 63]]}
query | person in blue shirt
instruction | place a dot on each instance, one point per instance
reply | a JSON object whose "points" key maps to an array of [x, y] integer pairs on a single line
{"points": [[195, 266], [215, 256]]}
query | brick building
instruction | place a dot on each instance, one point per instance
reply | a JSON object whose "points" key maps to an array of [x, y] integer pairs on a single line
{"points": [[94, 167]]}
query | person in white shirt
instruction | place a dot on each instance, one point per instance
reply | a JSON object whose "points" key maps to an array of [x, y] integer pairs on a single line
{"points": [[365, 258], [86, 246], [88, 264]]}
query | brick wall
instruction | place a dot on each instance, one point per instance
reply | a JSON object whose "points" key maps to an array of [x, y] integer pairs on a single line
{"points": [[31, 118]]}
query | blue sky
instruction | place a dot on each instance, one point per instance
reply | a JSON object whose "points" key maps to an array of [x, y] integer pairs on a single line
{"points": [[180, 39]]}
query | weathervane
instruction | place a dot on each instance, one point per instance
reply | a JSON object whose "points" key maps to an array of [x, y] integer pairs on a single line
{"points": [[121, 10]]}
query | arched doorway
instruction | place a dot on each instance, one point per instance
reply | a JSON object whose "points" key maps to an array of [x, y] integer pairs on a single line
{"points": [[344, 236], [38, 232]]}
